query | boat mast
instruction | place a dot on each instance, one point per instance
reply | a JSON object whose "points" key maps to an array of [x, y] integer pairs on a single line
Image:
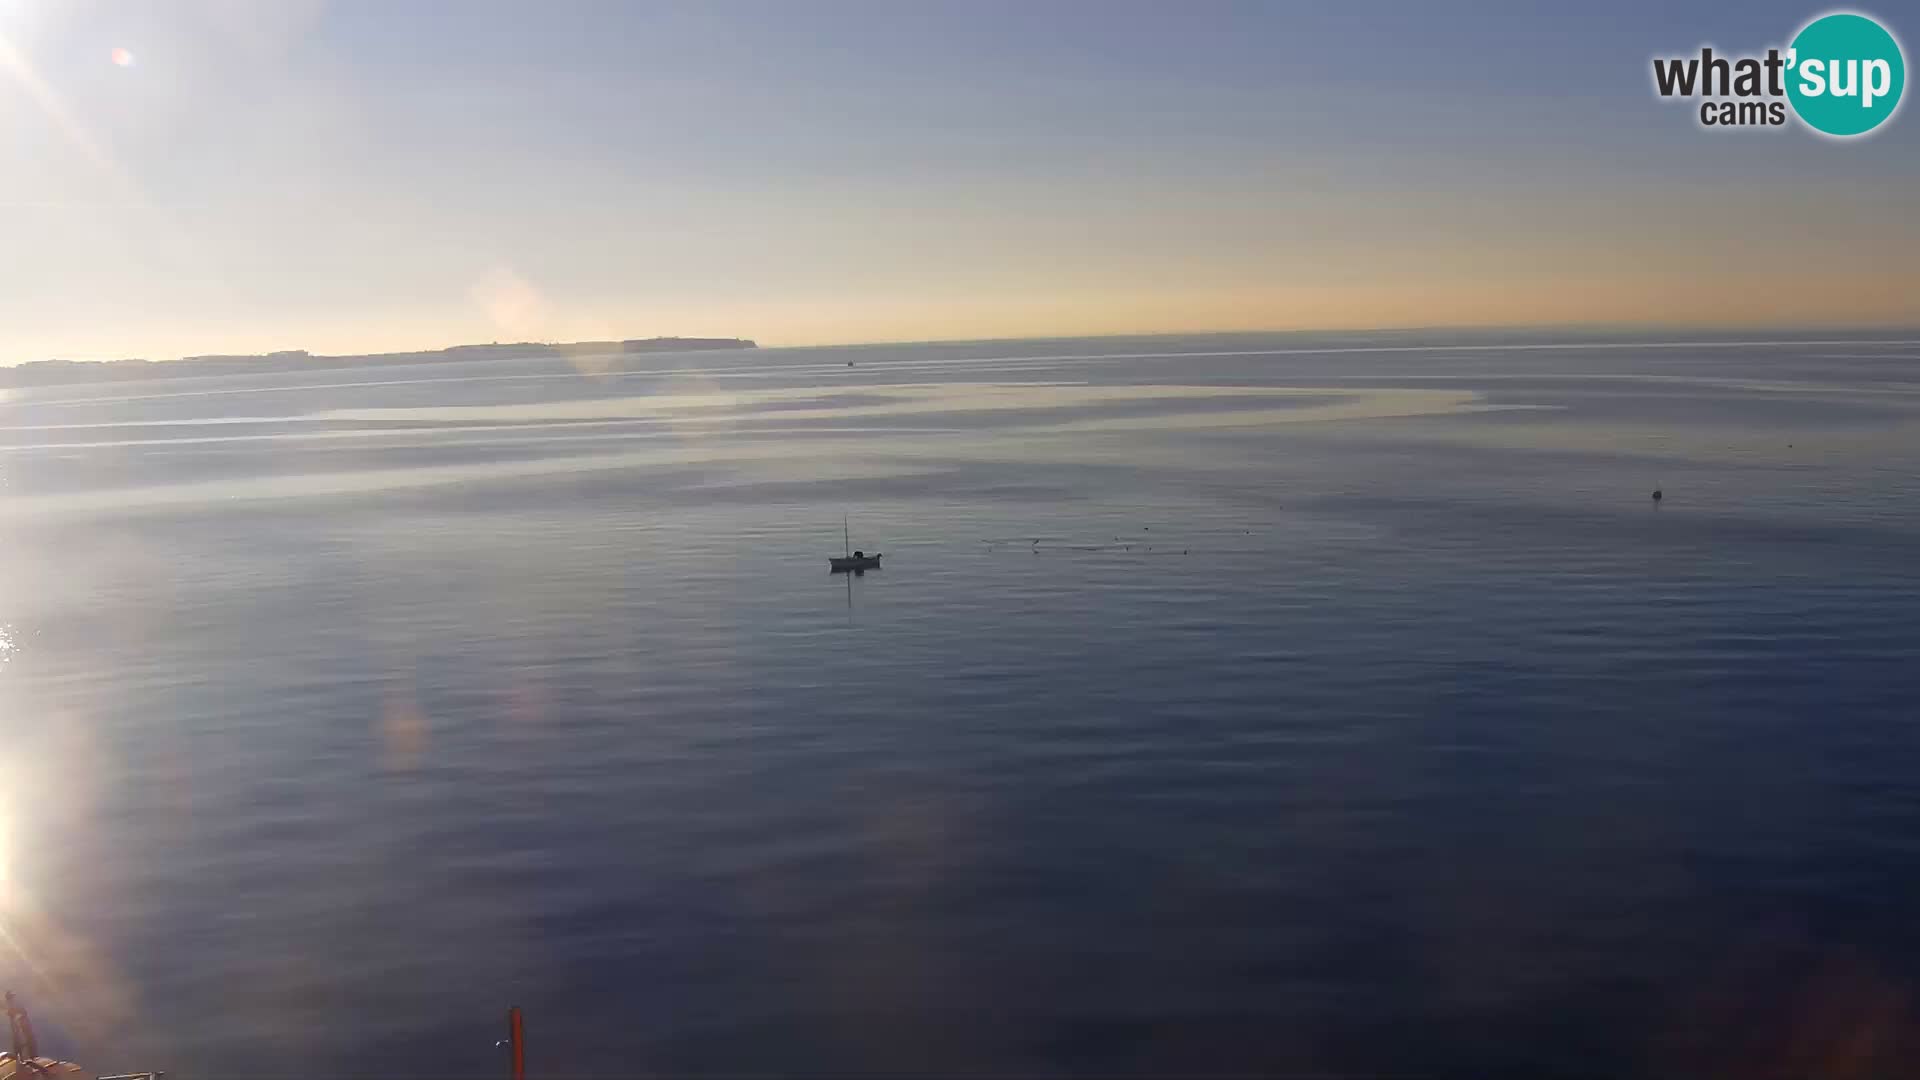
{"points": [[846, 535]]}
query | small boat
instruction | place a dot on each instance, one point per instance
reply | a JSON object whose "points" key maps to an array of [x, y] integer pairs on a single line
{"points": [[853, 561], [859, 560]]}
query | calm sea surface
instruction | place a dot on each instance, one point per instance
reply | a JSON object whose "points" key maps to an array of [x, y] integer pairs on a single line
{"points": [[1334, 703]]}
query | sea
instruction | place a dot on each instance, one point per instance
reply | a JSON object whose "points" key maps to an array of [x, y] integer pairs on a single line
{"points": [[1290, 704]]}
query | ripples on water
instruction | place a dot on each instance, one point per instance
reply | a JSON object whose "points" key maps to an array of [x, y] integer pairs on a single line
{"points": [[1355, 710]]}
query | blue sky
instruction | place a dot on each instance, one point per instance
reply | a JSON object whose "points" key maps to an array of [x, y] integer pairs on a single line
{"points": [[345, 175]]}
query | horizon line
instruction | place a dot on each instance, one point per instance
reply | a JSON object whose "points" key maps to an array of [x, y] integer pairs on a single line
{"points": [[1481, 328]]}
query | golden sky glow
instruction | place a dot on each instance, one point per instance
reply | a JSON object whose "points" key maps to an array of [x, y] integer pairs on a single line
{"points": [[309, 175]]}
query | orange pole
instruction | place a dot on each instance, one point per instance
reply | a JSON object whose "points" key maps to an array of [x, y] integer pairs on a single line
{"points": [[517, 1042]]}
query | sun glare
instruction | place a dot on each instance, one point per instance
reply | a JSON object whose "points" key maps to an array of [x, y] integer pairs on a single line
{"points": [[122, 57]]}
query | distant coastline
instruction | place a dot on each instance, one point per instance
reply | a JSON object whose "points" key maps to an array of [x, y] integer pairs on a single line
{"points": [[607, 354]]}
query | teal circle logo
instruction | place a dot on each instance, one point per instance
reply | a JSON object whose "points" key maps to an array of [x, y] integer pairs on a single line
{"points": [[1845, 74]]}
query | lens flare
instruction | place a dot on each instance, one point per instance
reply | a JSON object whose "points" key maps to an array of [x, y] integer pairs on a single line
{"points": [[122, 58]]}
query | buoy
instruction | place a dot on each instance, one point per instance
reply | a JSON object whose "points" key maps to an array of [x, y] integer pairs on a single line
{"points": [[1657, 496]]}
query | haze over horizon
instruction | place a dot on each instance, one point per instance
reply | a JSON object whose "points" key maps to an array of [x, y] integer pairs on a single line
{"points": [[345, 177]]}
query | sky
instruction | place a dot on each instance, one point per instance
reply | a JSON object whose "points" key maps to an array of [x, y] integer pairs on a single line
{"points": [[204, 176]]}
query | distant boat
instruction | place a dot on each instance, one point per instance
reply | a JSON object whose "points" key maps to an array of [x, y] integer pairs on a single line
{"points": [[852, 561]]}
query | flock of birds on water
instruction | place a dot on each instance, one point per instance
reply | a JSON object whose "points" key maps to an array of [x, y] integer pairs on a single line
{"points": [[1055, 543], [1044, 544]]}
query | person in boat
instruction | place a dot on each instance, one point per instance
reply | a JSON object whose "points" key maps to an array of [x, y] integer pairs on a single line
{"points": [[859, 554]]}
